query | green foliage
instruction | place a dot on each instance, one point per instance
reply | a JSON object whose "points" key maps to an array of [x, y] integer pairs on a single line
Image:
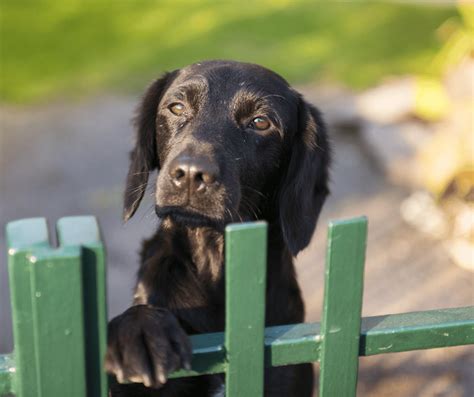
{"points": [[68, 48]]}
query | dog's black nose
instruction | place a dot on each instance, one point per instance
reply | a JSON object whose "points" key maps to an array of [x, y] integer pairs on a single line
{"points": [[193, 173]]}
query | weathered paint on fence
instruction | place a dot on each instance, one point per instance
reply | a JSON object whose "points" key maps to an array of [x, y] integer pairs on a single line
{"points": [[212, 353]]}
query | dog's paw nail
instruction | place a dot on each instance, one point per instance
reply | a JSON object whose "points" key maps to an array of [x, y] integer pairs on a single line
{"points": [[147, 381], [119, 376], [162, 377], [136, 379]]}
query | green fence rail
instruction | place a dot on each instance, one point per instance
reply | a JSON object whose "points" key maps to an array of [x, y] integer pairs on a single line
{"points": [[59, 315]]}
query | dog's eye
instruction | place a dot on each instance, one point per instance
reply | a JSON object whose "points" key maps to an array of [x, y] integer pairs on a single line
{"points": [[177, 108], [260, 123]]}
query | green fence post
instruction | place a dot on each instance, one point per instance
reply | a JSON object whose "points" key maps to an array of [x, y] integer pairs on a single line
{"points": [[56, 285], [340, 328], [245, 272], [83, 231], [22, 237], [58, 308]]}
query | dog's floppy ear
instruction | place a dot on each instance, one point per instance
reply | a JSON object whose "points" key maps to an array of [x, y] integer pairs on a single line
{"points": [[144, 156], [305, 184]]}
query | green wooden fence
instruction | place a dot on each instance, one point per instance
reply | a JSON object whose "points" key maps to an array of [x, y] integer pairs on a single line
{"points": [[59, 315]]}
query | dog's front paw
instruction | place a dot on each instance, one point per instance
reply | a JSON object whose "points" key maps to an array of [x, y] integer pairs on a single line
{"points": [[145, 344]]}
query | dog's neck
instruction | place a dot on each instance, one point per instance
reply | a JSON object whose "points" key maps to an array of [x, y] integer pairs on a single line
{"points": [[195, 256], [208, 251]]}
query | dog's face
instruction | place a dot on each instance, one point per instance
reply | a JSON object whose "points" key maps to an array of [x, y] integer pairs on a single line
{"points": [[220, 135], [232, 142]]}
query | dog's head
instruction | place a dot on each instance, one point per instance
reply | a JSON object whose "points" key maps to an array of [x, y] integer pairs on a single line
{"points": [[231, 141]]}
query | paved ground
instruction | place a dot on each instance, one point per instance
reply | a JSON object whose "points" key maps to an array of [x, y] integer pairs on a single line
{"points": [[71, 159]]}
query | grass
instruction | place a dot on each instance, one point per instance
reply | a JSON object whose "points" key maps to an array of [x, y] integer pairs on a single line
{"points": [[54, 49]]}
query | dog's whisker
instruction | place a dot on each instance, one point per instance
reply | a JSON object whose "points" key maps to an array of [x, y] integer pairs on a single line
{"points": [[249, 206], [238, 214], [253, 190], [144, 186], [227, 211]]}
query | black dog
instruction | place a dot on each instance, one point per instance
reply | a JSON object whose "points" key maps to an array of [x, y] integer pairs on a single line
{"points": [[232, 142]]}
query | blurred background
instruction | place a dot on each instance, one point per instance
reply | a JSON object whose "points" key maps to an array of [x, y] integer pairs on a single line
{"points": [[395, 81]]}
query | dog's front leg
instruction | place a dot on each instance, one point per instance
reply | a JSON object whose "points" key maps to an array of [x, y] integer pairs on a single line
{"points": [[145, 344]]}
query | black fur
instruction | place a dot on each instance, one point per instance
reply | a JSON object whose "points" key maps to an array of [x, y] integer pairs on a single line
{"points": [[233, 172]]}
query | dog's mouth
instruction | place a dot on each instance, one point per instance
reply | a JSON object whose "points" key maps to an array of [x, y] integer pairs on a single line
{"points": [[188, 217]]}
